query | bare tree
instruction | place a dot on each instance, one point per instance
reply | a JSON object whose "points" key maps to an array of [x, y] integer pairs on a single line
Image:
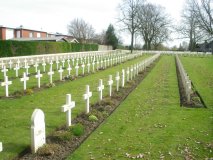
{"points": [[81, 30], [128, 17], [188, 28], [153, 24], [203, 11]]}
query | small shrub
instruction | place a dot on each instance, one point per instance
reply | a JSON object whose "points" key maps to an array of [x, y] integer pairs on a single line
{"points": [[48, 149], [28, 91], [77, 129], [61, 136], [93, 118], [105, 114], [50, 85], [108, 101]]}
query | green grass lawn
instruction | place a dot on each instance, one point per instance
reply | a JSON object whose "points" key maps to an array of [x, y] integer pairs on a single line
{"points": [[200, 71], [15, 114], [151, 122]]}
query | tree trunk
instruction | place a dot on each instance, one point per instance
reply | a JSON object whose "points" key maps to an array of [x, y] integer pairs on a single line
{"points": [[149, 45], [132, 41]]}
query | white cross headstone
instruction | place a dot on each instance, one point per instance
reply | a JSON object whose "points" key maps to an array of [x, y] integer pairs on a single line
{"points": [[67, 108], [6, 83], [87, 96], [27, 68], [57, 62], [50, 73], [68, 60], [69, 69], [73, 61], [63, 62], [108, 62], [38, 137], [10, 64], [123, 78], [60, 72], [39, 78], [100, 89], [36, 67], [25, 79], [131, 72], [127, 74], [16, 69], [4, 70], [93, 66], [18, 63], [134, 71], [83, 66], [76, 69], [101, 63], [117, 78], [25, 62], [110, 82], [1, 147], [88, 67], [51, 63], [44, 66], [97, 66], [105, 63]]}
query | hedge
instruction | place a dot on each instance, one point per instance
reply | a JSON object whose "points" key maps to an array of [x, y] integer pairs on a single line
{"points": [[22, 48]]}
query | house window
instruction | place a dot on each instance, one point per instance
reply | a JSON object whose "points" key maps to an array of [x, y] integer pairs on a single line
{"points": [[38, 35], [31, 35]]}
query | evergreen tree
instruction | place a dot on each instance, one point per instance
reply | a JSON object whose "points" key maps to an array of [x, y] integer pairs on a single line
{"points": [[110, 37]]}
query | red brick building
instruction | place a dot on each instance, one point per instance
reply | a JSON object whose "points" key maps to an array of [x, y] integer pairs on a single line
{"points": [[10, 33]]}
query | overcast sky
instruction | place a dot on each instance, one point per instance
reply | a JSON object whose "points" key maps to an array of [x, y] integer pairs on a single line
{"points": [[54, 15]]}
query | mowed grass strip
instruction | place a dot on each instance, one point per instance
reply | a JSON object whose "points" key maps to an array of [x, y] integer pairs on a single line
{"points": [[200, 71], [15, 114], [150, 122]]}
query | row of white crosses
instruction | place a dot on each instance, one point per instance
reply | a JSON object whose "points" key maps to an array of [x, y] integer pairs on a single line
{"points": [[25, 77], [38, 137], [185, 79], [20, 61], [92, 58], [116, 58]]}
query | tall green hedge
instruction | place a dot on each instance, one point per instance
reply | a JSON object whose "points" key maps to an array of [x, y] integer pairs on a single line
{"points": [[22, 48]]}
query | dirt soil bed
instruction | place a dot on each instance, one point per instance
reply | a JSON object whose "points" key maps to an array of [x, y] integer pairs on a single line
{"points": [[61, 143]]}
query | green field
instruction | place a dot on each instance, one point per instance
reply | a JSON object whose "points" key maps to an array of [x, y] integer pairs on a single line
{"points": [[16, 113], [151, 122]]}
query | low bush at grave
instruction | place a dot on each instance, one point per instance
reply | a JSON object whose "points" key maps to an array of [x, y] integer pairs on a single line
{"points": [[48, 149], [16, 48], [93, 118], [77, 129]]}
